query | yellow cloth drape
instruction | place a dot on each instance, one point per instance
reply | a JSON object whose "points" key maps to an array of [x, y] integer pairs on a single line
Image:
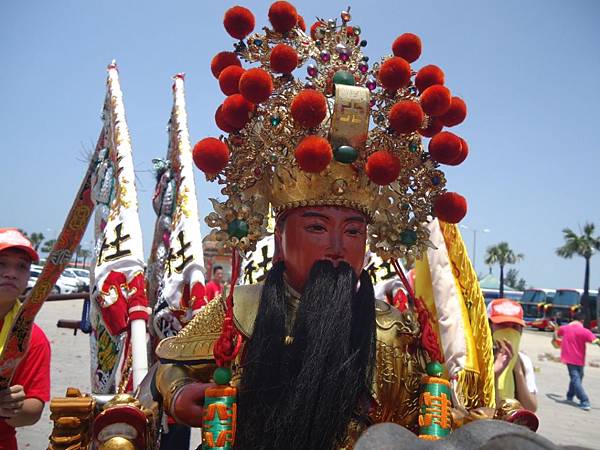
{"points": [[460, 319], [466, 277], [8, 323]]}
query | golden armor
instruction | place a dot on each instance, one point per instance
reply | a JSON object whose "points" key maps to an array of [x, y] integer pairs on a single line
{"points": [[400, 361]]}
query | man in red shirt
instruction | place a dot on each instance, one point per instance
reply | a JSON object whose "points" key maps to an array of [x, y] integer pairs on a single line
{"points": [[572, 353], [215, 285], [22, 403]]}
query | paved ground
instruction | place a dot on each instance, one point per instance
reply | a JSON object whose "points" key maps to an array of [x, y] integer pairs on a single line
{"points": [[560, 422]]}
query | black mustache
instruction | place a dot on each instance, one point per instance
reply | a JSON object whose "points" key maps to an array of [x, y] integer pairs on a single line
{"points": [[303, 395]]}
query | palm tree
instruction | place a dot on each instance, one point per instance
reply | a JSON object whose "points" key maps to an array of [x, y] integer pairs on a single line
{"points": [[502, 255], [583, 245], [77, 253], [47, 247], [85, 254], [36, 240]]}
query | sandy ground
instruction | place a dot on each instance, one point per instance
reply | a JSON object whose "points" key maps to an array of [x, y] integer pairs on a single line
{"points": [[560, 422]]}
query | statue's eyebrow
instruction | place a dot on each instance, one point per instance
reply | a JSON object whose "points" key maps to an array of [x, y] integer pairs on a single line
{"points": [[360, 219], [315, 214]]}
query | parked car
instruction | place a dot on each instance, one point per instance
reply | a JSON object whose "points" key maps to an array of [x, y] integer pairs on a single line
{"points": [[82, 276], [81, 273], [66, 283]]}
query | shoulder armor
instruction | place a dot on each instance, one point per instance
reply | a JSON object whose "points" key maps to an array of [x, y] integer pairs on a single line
{"points": [[195, 342], [400, 364], [392, 323]]}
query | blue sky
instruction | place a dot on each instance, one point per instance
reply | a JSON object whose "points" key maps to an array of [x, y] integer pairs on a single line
{"points": [[527, 70]]}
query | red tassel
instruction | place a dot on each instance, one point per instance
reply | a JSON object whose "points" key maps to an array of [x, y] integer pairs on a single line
{"points": [[428, 338], [230, 341]]}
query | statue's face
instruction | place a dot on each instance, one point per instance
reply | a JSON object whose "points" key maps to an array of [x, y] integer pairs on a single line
{"points": [[320, 233]]}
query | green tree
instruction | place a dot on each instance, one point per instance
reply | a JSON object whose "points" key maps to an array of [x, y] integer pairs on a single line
{"points": [[584, 245], [77, 253], [47, 247], [85, 254], [512, 279], [502, 255], [36, 240]]}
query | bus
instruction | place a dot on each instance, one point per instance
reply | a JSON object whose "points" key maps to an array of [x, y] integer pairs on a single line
{"points": [[533, 301], [562, 308], [493, 294]]}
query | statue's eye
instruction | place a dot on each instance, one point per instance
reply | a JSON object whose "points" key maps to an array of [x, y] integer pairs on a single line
{"points": [[315, 228], [354, 231]]}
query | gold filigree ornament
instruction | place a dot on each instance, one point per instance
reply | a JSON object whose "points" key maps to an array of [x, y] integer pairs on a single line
{"points": [[365, 149]]}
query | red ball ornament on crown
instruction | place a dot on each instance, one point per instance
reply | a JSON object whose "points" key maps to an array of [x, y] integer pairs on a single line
{"points": [[434, 126], [283, 59], [309, 108], [456, 114], [435, 100], [222, 123], [394, 73], [429, 76], [236, 111], [407, 46], [406, 116], [450, 207], [239, 22], [301, 24], [464, 152], [256, 85], [283, 16], [445, 147], [313, 154], [222, 60], [382, 167], [210, 155], [229, 79]]}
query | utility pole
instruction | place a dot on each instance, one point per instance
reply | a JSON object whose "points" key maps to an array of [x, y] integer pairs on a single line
{"points": [[474, 254]]}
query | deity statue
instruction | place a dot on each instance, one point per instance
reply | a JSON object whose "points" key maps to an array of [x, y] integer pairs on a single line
{"points": [[311, 358]]}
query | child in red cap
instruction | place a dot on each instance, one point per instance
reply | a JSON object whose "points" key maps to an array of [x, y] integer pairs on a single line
{"points": [[515, 378], [22, 403]]}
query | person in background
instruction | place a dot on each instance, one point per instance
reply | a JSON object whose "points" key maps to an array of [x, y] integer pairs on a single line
{"points": [[515, 378], [215, 285], [574, 337], [22, 403]]}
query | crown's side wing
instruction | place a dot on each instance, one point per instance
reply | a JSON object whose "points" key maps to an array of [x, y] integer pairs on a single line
{"points": [[119, 303], [447, 283]]}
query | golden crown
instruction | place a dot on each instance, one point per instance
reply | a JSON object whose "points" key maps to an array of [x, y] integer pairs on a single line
{"points": [[296, 143]]}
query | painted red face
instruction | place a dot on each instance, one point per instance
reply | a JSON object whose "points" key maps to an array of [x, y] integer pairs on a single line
{"points": [[321, 233]]}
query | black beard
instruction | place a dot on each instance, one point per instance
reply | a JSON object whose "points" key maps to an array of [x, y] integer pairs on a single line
{"points": [[304, 395]]}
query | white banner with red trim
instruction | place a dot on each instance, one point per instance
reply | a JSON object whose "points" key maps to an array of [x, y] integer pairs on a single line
{"points": [[177, 262], [119, 353]]}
